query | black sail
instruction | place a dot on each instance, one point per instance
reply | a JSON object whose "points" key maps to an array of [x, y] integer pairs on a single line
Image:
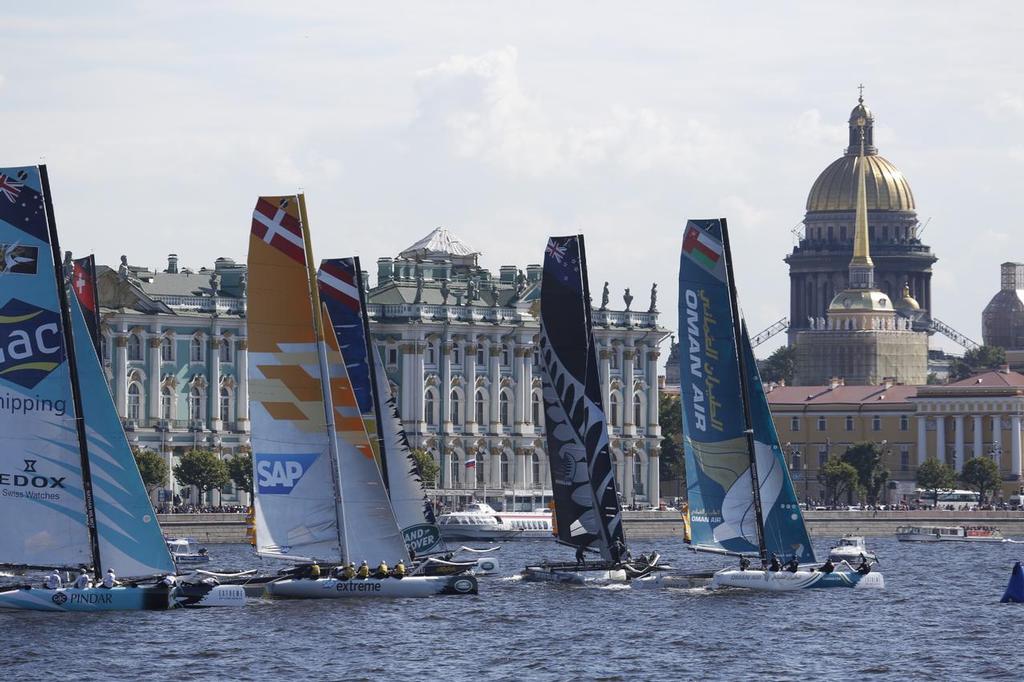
{"points": [[587, 506]]}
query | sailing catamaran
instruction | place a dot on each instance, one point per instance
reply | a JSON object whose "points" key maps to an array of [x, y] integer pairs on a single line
{"points": [[729, 439], [70, 491], [587, 511], [341, 288], [319, 493]]}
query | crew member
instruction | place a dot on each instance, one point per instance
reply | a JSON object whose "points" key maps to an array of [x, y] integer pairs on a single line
{"points": [[83, 582], [793, 565], [110, 579], [168, 581], [53, 581], [828, 566], [775, 565], [580, 556], [744, 563], [364, 570], [865, 566], [347, 572], [399, 571], [314, 571], [382, 570]]}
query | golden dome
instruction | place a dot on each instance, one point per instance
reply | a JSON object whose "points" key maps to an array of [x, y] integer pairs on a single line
{"points": [[836, 187], [860, 300], [908, 302]]}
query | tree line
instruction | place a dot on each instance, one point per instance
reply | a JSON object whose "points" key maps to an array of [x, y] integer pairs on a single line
{"points": [[203, 469]]}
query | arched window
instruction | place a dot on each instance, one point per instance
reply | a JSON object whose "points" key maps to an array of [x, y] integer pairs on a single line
{"points": [[503, 414], [456, 355], [506, 355], [196, 349], [195, 403], [431, 353], [638, 479], [615, 359], [537, 409], [166, 398], [225, 404], [225, 350], [503, 476], [481, 407], [613, 410], [429, 408], [134, 401], [535, 471], [638, 411], [134, 347], [456, 469], [456, 411], [166, 349]]}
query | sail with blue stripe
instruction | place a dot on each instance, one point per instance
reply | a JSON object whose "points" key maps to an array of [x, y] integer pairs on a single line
{"points": [[723, 508]]}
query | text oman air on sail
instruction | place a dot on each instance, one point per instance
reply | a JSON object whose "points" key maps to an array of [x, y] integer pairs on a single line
{"points": [[279, 474], [30, 351]]}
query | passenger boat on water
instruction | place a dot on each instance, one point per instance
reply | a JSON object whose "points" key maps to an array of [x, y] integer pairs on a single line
{"points": [[319, 493], [187, 551], [851, 548], [588, 515], [76, 498], [741, 498], [479, 521], [950, 534]]}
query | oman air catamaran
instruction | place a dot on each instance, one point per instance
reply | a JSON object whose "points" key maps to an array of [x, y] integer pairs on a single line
{"points": [[319, 495], [341, 288], [71, 496], [588, 515]]}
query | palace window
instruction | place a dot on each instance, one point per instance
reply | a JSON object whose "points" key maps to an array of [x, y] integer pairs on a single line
{"points": [[456, 409], [795, 461], [638, 479], [535, 470], [849, 423], [225, 350], [904, 422], [134, 401], [456, 470], [225, 405], [456, 356], [638, 411], [429, 408], [503, 469], [904, 458], [167, 349], [794, 423], [537, 409], [392, 356], [614, 359], [480, 354], [195, 404], [876, 423], [613, 410], [822, 424], [481, 407], [134, 347], [503, 404], [506, 355], [166, 400], [431, 353], [195, 353]]}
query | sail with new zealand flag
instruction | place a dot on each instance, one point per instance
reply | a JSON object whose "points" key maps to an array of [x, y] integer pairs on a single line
{"points": [[582, 477]]}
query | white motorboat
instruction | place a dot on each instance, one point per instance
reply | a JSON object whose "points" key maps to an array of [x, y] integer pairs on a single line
{"points": [[187, 551], [851, 548], [480, 521], [949, 534]]}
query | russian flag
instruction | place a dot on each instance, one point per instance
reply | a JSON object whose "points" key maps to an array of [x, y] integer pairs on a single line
{"points": [[471, 463]]}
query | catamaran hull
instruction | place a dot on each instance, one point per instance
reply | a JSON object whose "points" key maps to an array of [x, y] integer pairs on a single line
{"points": [[539, 574], [784, 581], [142, 598], [411, 586]]}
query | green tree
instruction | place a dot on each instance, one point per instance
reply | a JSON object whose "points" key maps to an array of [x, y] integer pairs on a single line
{"points": [[977, 360], [779, 366], [867, 459], [152, 467], [981, 474], [934, 475], [671, 464], [840, 479], [240, 470], [427, 466], [203, 469]]}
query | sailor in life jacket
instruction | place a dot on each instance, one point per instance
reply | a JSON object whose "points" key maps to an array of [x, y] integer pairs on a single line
{"points": [[345, 572], [53, 581], [382, 570], [83, 581], [364, 570], [399, 571], [110, 579]]}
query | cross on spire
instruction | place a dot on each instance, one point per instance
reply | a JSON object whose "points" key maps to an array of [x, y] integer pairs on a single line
{"points": [[861, 97]]}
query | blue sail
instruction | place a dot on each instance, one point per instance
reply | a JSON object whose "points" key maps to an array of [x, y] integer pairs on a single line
{"points": [[718, 473], [130, 539], [42, 493]]}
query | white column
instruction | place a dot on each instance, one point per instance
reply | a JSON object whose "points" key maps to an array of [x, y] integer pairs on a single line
{"points": [[977, 436], [214, 401], [628, 358], [520, 466], [121, 374], [446, 463], [527, 381], [517, 389], [997, 432], [653, 426], [242, 377], [445, 348], [494, 373], [922, 439], [407, 386], [940, 438], [653, 475], [469, 366], [958, 435], [605, 368], [1015, 461], [627, 475], [153, 342], [417, 384]]}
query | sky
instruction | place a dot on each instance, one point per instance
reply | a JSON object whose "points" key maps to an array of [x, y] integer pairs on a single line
{"points": [[508, 122]]}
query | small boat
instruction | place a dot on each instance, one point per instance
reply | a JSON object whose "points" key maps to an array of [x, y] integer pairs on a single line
{"points": [[319, 493], [587, 511], [479, 521], [949, 534], [851, 548], [1015, 588], [73, 496], [187, 551], [741, 500]]}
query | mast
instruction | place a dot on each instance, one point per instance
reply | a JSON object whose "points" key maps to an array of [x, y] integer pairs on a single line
{"points": [[748, 429], [325, 382], [368, 340], [76, 391]]}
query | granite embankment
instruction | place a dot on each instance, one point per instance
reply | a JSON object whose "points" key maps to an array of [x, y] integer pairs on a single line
{"points": [[218, 528]]}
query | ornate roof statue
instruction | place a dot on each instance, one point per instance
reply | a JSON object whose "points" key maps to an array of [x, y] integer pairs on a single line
{"points": [[440, 244]]}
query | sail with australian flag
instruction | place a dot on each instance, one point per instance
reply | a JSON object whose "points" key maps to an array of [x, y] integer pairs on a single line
{"points": [[727, 514]]}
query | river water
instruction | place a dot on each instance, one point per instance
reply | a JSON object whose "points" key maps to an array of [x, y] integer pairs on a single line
{"points": [[938, 619]]}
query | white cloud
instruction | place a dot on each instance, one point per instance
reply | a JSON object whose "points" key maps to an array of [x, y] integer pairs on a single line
{"points": [[1005, 104], [810, 129]]}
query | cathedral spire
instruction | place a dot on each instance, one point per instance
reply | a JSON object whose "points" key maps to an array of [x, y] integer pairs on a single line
{"points": [[862, 268]]}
